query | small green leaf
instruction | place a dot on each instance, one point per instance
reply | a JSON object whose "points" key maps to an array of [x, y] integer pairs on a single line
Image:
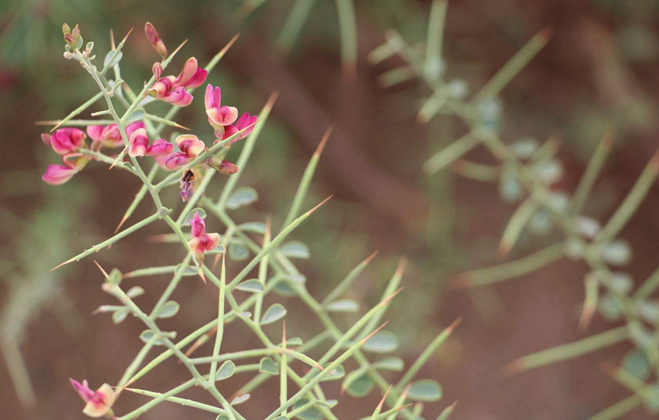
{"points": [[334, 374], [311, 413], [252, 286], [119, 316], [382, 342], [243, 196], [293, 342], [169, 309], [240, 399], [187, 271], [113, 55], [147, 335], [269, 366], [273, 314], [425, 390], [238, 252], [137, 115], [390, 363], [343, 305], [295, 249], [254, 227], [134, 292], [190, 215], [225, 371], [359, 384], [637, 363]]}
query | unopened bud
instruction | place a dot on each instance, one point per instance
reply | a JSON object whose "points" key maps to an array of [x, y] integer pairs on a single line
{"points": [[72, 37], [157, 70], [66, 29], [155, 40], [222, 166], [89, 47]]}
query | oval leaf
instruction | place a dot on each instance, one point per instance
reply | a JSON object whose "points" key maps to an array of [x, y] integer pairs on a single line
{"points": [[238, 252], [225, 371], [240, 399], [390, 363], [252, 286], [269, 366], [343, 305], [295, 249], [243, 196], [273, 314], [425, 390], [169, 309], [382, 342], [254, 227]]}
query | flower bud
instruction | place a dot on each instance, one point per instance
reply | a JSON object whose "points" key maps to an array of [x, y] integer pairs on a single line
{"points": [[157, 70], [66, 29], [154, 39]]}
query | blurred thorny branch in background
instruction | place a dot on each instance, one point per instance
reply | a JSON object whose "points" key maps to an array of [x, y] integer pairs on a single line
{"points": [[526, 173]]}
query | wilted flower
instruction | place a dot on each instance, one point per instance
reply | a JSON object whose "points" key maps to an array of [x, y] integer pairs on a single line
{"points": [[218, 116], [222, 166], [190, 147], [189, 183], [98, 402], [65, 140], [138, 145], [245, 122], [172, 89], [109, 135], [201, 241], [154, 39]]}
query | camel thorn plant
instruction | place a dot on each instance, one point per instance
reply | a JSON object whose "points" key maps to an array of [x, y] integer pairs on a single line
{"points": [[132, 137], [526, 173]]}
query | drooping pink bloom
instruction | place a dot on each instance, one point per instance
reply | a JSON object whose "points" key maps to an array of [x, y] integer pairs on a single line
{"points": [[154, 39], [172, 89], [245, 122], [65, 140], [138, 145], [98, 402], [109, 135], [59, 174], [190, 147], [201, 241], [219, 117]]}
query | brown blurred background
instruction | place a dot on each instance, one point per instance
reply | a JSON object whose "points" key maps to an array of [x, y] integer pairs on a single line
{"points": [[600, 70]]}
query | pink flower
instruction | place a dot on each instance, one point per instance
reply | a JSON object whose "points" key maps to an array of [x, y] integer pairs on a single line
{"points": [[109, 135], [138, 145], [201, 241], [98, 402], [65, 140], [59, 174], [189, 183], [222, 166], [218, 116], [245, 122], [154, 39], [172, 89], [190, 147]]}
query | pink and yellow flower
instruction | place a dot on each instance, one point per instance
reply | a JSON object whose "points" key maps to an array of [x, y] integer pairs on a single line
{"points": [[190, 147], [154, 39], [138, 145], [219, 117], [172, 89], [201, 241], [99, 402], [109, 135], [65, 140]]}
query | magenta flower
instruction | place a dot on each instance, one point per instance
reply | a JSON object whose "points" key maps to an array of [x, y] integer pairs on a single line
{"points": [[172, 89], [201, 241], [59, 174], [65, 140], [245, 122], [218, 116], [98, 402], [109, 135], [190, 147], [138, 145]]}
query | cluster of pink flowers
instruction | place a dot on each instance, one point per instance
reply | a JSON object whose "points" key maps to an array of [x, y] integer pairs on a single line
{"points": [[201, 241], [172, 89], [66, 142], [223, 118]]}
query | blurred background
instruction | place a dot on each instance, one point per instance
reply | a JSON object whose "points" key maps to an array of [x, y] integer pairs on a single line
{"points": [[600, 70]]}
